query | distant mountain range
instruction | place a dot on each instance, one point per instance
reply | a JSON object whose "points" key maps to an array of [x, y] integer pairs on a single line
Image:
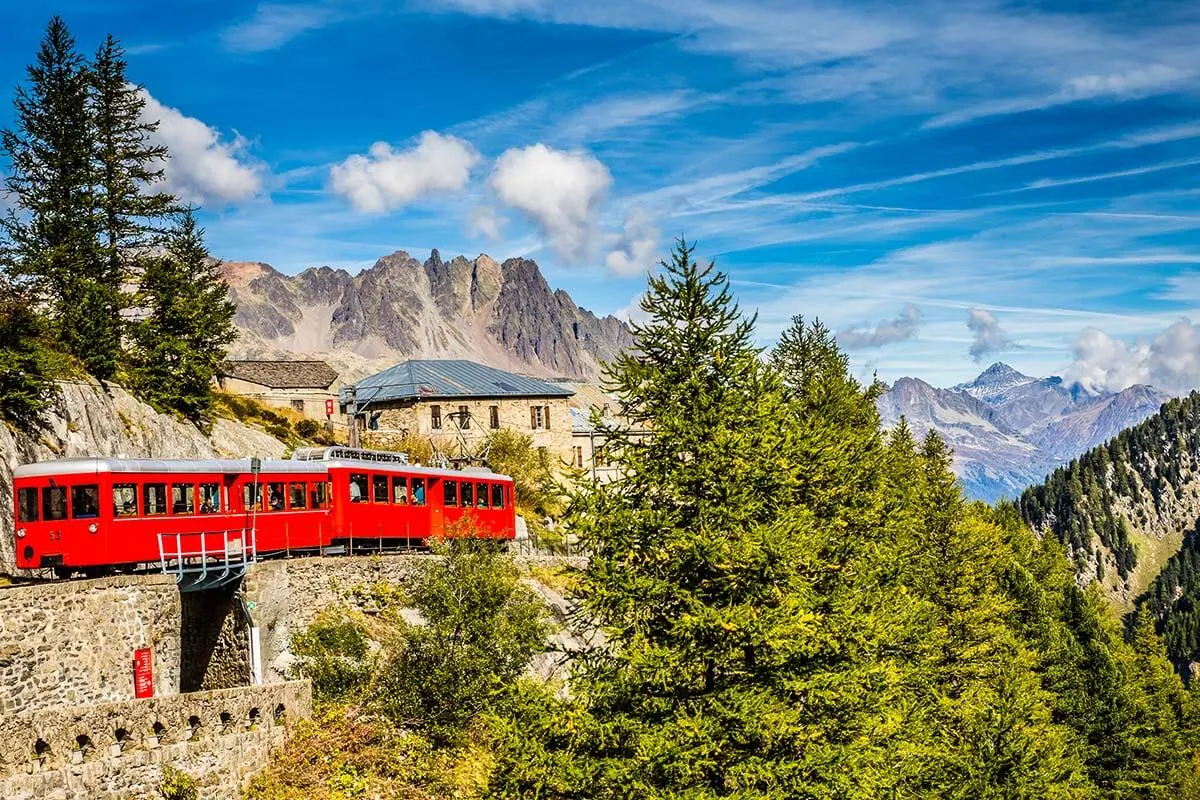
{"points": [[502, 314], [1009, 430]]}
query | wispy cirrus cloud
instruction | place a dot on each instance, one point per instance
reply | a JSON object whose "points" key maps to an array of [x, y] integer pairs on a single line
{"points": [[273, 25]]}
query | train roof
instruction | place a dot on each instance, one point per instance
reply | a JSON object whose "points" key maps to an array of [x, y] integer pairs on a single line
{"points": [[185, 466]]}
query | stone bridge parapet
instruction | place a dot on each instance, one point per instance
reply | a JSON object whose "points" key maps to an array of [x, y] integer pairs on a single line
{"points": [[118, 750]]}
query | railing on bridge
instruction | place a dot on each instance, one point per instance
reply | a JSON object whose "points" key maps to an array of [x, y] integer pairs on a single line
{"points": [[206, 560]]}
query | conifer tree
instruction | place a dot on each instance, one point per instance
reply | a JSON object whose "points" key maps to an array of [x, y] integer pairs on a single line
{"points": [[133, 215], [26, 365], [188, 323], [741, 661], [51, 242]]}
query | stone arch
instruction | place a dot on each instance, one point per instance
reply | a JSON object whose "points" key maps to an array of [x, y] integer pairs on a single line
{"points": [[280, 714], [41, 748], [226, 721], [252, 718]]}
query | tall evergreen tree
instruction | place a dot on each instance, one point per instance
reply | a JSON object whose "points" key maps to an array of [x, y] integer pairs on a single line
{"points": [[187, 325], [134, 214], [51, 237]]}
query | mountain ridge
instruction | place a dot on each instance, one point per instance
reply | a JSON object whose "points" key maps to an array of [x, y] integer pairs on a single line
{"points": [[501, 313], [1010, 430]]}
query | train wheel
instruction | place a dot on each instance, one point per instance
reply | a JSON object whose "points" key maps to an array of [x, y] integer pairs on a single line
{"points": [[62, 573]]}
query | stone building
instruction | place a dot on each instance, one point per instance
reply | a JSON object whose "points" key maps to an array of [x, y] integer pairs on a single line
{"points": [[457, 404], [301, 386]]}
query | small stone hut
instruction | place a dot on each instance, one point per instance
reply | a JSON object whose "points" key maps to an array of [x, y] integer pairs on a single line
{"points": [[302, 386]]}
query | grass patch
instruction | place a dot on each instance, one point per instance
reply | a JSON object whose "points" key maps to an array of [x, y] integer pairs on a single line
{"points": [[560, 578]]}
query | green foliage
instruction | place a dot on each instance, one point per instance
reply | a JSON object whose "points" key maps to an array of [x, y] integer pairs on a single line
{"points": [[83, 172], [1079, 502], [181, 341], [335, 653], [482, 626], [512, 453], [308, 428], [27, 365], [177, 785]]}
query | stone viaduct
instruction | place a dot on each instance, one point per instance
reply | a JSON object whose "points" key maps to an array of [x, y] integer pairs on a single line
{"points": [[224, 693]]}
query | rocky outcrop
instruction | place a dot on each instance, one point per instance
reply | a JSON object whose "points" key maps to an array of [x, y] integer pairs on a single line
{"points": [[505, 315], [92, 419]]}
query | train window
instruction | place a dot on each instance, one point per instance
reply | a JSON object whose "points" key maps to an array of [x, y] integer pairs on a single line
{"points": [[85, 501], [379, 485], [467, 500], [275, 496], [358, 488], [183, 498], [54, 503], [400, 490], [124, 500], [297, 495], [210, 498], [318, 495], [154, 498], [481, 497], [418, 491], [497, 495], [450, 488], [252, 496], [27, 509]]}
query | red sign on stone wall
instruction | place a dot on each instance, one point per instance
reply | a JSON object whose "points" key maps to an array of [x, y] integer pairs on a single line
{"points": [[143, 672], [328, 407]]}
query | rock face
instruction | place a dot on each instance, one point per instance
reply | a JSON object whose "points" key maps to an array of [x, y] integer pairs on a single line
{"points": [[90, 419], [505, 315], [1009, 430]]}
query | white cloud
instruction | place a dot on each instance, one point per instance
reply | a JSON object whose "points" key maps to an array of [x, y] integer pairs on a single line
{"points": [[274, 25], [559, 191], [202, 167], [989, 336], [637, 245], [386, 179], [486, 221], [1169, 360], [904, 326]]}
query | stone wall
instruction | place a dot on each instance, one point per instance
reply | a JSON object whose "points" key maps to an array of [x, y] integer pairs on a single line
{"points": [[67, 643], [415, 418], [214, 640], [117, 751], [287, 594]]}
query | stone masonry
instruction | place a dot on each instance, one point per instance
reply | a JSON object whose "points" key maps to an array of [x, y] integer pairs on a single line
{"points": [[415, 418], [73, 642], [117, 751]]}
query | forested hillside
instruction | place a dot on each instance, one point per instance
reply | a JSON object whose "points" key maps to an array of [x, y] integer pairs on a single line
{"points": [[792, 602], [1122, 508]]}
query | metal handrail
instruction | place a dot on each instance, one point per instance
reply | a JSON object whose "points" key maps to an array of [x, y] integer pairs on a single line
{"points": [[202, 572]]}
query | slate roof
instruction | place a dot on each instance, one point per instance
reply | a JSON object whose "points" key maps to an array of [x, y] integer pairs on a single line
{"points": [[448, 378], [281, 374]]}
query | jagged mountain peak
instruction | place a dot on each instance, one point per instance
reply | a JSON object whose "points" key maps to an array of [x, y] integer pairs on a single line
{"points": [[502, 313], [996, 378]]}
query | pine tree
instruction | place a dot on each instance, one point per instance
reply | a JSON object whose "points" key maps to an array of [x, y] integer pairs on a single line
{"points": [[133, 216], [178, 345], [746, 630], [51, 236]]}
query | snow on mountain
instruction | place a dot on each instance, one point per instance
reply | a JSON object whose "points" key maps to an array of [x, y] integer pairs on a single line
{"points": [[1009, 430]]}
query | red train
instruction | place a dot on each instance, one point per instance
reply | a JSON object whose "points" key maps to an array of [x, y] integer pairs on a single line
{"points": [[93, 515]]}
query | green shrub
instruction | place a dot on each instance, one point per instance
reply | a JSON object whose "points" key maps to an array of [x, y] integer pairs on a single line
{"points": [[334, 652], [308, 428], [178, 785]]}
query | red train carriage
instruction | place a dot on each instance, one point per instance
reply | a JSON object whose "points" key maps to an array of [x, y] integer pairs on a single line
{"points": [[91, 514]]}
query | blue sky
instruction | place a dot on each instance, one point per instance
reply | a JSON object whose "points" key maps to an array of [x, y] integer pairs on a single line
{"points": [[944, 184]]}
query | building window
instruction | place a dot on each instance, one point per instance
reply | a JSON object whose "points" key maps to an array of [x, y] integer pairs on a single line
{"points": [[435, 417], [546, 414], [464, 417], [536, 418], [578, 457], [298, 406], [494, 417]]}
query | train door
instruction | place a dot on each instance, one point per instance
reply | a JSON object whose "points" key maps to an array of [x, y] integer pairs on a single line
{"points": [[436, 514]]}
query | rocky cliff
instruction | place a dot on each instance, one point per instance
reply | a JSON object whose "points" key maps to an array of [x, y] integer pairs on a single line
{"points": [[91, 419], [502, 314]]}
